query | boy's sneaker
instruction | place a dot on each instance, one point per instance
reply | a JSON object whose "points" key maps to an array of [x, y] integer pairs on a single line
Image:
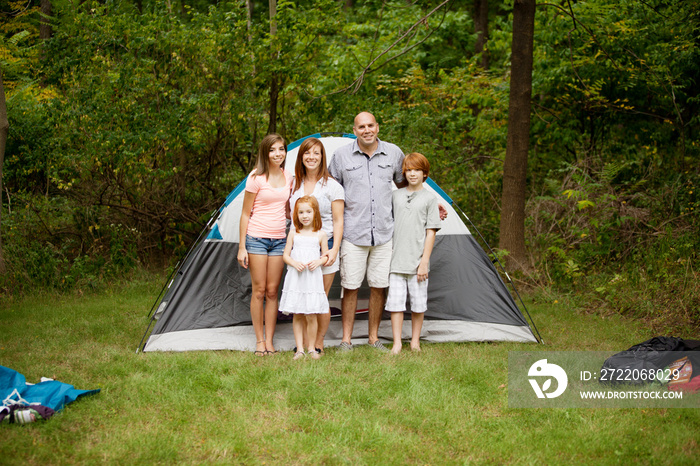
{"points": [[344, 346], [378, 344]]}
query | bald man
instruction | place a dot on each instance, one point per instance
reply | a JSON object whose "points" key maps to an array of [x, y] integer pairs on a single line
{"points": [[366, 169]]}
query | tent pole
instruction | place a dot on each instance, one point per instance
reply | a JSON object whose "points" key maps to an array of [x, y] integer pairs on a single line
{"points": [[140, 347], [538, 336], [165, 286]]}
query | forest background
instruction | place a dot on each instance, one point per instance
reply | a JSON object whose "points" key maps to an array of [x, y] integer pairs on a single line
{"points": [[130, 121]]}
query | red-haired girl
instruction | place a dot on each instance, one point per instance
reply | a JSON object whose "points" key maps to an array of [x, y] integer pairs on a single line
{"points": [[303, 294]]}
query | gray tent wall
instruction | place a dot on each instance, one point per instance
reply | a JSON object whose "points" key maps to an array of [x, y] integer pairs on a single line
{"points": [[207, 303]]}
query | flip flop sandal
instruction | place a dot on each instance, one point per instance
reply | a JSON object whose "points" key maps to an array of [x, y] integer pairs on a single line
{"points": [[260, 353]]}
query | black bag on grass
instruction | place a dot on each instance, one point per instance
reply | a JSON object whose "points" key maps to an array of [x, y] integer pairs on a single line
{"points": [[637, 363]]}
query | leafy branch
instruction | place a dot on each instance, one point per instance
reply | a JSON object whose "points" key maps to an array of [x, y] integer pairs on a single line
{"points": [[410, 33]]}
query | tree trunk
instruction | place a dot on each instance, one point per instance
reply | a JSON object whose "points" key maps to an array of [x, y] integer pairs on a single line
{"points": [[45, 29], [250, 9], [4, 130], [512, 231], [481, 27], [274, 84], [274, 94]]}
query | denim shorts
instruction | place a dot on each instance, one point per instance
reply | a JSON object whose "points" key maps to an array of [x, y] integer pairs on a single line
{"points": [[265, 246]]}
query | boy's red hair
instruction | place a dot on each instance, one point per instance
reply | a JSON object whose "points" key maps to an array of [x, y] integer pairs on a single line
{"points": [[416, 161], [317, 223]]}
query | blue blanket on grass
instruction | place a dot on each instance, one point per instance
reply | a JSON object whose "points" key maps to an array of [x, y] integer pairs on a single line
{"points": [[51, 393]]}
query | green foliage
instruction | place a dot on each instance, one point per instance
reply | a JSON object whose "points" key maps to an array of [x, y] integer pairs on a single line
{"points": [[26, 158], [51, 244], [620, 76], [18, 59], [627, 248], [615, 103]]}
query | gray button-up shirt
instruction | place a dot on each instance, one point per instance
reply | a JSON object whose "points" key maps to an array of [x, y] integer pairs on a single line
{"points": [[368, 182]]}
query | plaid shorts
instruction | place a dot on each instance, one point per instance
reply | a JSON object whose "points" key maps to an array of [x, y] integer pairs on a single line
{"points": [[399, 285]]}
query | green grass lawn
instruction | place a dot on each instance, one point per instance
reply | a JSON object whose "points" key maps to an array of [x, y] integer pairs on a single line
{"points": [[447, 405]]}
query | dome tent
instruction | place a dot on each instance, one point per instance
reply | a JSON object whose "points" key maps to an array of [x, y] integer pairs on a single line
{"points": [[206, 303]]}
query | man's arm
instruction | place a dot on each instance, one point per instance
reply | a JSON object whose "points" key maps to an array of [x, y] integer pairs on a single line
{"points": [[401, 184], [398, 172], [334, 169]]}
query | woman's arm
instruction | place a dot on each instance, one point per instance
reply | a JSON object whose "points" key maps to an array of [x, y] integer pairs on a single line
{"points": [[288, 209], [337, 209], [248, 199], [287, 206]]}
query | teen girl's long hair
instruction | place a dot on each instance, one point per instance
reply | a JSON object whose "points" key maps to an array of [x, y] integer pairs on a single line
{"points": [[262, 165], [311, 200], [300, 169]]}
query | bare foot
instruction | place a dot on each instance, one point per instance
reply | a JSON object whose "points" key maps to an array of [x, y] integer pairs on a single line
{"points": [[416, 348], [396, 349]]}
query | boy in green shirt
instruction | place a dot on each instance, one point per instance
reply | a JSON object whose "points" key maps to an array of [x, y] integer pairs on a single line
{"points": [[416, 221]]}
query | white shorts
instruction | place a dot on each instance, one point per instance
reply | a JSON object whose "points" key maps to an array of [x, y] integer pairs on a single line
{"points": [[356, 261], [399, 284], [336, 265], [332, 268]]}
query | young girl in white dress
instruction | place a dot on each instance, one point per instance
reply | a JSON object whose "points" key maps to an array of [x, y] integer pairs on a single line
{"points": [[303, 293]]}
